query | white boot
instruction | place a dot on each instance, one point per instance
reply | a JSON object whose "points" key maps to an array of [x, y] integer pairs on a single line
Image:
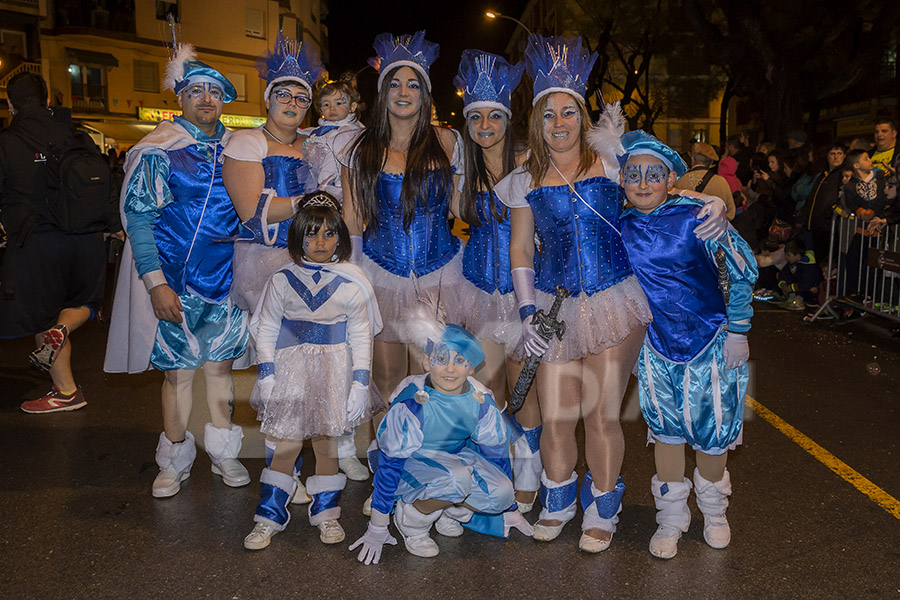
{"points": [[325, 511], [272, 514], [672, 516], [175, 461], [712, 500], [347, 461], [223, 446], [450, 522], [558, 502], [414, 528], [526, 465], [601, 511]]}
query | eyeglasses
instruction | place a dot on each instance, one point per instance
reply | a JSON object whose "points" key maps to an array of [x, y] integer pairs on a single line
{"points": [[285, 97], [201, 89]]}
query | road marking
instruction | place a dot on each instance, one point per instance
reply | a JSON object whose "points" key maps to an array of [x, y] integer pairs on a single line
{"points": [[842, 469]]}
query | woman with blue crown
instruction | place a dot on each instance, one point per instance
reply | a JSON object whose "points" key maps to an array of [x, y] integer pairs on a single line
{"points": [[489, 304], [566, 195], [398, 177], [266, 174]]}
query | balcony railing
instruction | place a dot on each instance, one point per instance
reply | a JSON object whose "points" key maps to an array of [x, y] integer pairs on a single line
{"points": [[25, 67]]}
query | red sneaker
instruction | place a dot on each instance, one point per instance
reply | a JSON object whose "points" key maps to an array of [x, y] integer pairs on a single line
{"points": [[55, 401], [51, 343]]}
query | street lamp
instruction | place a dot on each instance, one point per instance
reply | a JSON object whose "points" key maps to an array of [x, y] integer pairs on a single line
{"points": [[495, 15]]}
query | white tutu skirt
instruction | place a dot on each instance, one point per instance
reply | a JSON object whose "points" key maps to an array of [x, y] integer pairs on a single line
{"points": [[595, 323], [309, 399], [491, 317], [397, 295], [254, 264]]}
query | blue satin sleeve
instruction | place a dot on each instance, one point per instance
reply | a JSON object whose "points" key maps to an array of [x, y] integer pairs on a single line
{"points": [[142, 208], [742, 273], [387, 478]]}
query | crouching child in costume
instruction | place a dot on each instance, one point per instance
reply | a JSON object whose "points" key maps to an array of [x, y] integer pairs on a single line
{"points": [[692, 369], [313, 328], [444, 446]]}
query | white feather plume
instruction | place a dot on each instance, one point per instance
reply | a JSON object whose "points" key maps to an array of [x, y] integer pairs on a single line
{"points": [[605, 137], [425, 321], [175, 68]]}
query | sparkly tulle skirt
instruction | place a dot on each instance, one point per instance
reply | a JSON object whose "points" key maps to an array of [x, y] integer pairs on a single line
{"points": [[254, 264], [397, 295], [309, 399], [597, 322], [491, 317]]}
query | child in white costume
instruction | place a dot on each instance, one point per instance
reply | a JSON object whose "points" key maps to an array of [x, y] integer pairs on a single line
{"points": [[313, 329]]}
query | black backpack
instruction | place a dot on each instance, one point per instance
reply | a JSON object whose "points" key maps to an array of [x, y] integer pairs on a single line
{"points": [[78, 183]]}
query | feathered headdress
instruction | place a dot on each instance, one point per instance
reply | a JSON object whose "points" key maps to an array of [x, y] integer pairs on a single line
{"points": [[412, 51], [426, 327], [184, 70], [605, 138], [486, 80], [290, 61], [558, 64]]}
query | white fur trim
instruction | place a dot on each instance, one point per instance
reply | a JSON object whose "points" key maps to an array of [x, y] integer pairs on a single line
{"points": [[485, 104], [317, 484], [403, 63], [551, 90]]}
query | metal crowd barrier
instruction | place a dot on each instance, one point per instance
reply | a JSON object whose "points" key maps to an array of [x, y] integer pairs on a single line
{"points": [[863, 268]]}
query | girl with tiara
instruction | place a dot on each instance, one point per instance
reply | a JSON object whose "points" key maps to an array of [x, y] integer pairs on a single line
{"points": [[566, 195], [489, 304], [338, 102], [398, 178], [266, 172], [313, 330]]}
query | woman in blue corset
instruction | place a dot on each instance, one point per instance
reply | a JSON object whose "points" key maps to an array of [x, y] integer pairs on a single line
{"points": [[489, 305], [398, 176], [566, 195]]}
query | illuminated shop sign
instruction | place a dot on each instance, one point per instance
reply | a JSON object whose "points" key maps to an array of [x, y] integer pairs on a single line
{"points": [[166, 114]]}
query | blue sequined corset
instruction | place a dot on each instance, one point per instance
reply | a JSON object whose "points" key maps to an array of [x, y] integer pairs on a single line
{"points": [[286, 175], [197, 258], [425, 247], [578, 249], [486, 256], [680, 279]]}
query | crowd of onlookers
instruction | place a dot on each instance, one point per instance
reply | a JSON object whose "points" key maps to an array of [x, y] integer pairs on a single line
{"points": [[782, 201]]}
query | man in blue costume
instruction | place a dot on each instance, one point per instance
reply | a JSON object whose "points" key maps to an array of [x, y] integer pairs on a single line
{"points": [[180, 223]]}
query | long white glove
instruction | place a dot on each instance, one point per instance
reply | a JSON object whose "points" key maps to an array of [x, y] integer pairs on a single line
{"points": [[736, 350], [714, 211], [523, 283], [357, 401], [356, 249], [374, 540], [514, 519], [535, 345], [265, 380]]}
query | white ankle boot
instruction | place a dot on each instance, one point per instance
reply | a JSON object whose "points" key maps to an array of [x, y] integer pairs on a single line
{"points": [[712, 500], [672, 516], [175, 461], [558, 502], [223, 446], [414, 527], [347, 461], [450, 523]]}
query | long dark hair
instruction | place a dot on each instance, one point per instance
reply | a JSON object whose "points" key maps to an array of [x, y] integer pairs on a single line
{"points": [[425, 155], [312, 218], [479, 178]]}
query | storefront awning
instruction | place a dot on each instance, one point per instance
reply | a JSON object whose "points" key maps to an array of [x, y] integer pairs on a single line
{"points": [[89, 57], [126, 133]]}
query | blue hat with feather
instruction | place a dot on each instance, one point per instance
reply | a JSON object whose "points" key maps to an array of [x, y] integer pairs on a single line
{"points": [[558, 64], [184, 70], [640, 142], [486, 81], [289, 61], [412, 51]]}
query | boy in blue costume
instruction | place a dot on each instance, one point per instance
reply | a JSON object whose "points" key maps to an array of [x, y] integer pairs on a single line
{"points": [[179, 220], [692, 369], [444, 448]]}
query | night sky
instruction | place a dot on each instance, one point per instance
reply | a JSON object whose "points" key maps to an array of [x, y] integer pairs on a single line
{"points": [[353, 25]]}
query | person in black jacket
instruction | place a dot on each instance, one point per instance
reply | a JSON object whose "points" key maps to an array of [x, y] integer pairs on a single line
{"points": [[51, 282]]}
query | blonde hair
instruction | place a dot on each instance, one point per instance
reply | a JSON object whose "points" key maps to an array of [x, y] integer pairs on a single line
{"points": [[538, 161]]}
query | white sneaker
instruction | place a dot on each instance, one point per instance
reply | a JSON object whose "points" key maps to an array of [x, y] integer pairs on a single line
{"points": [[331, 532], [353, 469], [664, 543], [448, 527], [232, 471], [716, 531], [300, 496], [168, 482], [260, 537]]}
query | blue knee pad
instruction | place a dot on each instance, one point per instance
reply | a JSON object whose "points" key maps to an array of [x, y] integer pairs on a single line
{"points": [[608, 503]]}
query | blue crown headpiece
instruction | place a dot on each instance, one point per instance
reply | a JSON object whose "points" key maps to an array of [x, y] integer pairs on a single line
{"points": [[412, 51], [640, 142], [558, 64], [486, 80], [290, 61]]}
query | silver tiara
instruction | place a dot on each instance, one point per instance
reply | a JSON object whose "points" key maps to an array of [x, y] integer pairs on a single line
{"points": [[321, 199]]}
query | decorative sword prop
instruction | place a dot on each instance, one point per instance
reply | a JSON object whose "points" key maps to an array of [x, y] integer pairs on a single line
{"points": [[722, 270], [547, 325]]}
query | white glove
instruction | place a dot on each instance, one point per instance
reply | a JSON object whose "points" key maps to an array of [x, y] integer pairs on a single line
{"points": [[374, 540], [535, 345], [356, 249], [715, 213], [736, 350], [357, 401], [514, 519]]}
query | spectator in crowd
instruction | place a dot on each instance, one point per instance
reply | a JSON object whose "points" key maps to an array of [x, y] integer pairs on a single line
{"points": [[736, 149], [769, 261], [823, 196], [884, 157], [860, 143], [800, 278], [865, 197], [703, 178], [52, 278], [765, 147]]}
